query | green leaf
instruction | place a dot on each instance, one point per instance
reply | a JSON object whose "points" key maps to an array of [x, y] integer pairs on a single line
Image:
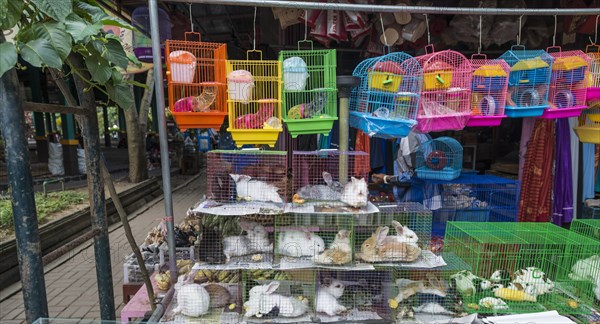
{"points": [[39, 52], [54, 32], [117, 77], [99, 68], [121, 94], [137, 84], [56, 9], [10, 13], [8, 57], [115, 54], [80, 29], [94, 11], [133, 59], [115, 22]]}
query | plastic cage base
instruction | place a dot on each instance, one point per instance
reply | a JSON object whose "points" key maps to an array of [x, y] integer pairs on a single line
{"points": [[446, 174], [426, 124], [588, 134], [555, 113], [380, 127], [243, 137], [593, 93], [519, 112], [186, 120], [309, 126], [485, 121]]}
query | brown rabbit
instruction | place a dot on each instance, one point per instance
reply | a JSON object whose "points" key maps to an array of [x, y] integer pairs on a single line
{"points": [[381, 248]]}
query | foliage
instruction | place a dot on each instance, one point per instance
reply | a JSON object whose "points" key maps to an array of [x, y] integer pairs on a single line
{"points": [[45, 206], [51, 31]]}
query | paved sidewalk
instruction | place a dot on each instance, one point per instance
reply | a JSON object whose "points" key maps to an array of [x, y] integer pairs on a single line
{"points": [[71, 280]]}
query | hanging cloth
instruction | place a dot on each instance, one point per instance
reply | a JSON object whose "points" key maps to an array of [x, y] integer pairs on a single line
{"points": [[536, 188], [526, 131], [362, 164], [562, 206], [589, 151]]}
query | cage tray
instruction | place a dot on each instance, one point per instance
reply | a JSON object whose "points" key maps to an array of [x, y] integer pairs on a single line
{"points": [[185, 120], [236, 209], [319, 125], [329, 207], [427, 260], [381, 127], [562, 112], [485, 121], [518, 112]]}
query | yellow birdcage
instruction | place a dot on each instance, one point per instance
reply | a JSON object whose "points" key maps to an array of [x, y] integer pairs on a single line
{"points": [[254, 100]]}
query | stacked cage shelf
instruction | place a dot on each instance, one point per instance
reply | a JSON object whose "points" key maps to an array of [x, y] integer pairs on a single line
{"points": [[386, 100], [533, 262], [309, 91], [488, 91], [196, 82], [588, 129]]}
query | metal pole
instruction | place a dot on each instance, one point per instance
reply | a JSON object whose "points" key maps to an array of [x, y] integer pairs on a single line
{"points": [[411, 9], [345, 85], [162, 135], [12, 124]]}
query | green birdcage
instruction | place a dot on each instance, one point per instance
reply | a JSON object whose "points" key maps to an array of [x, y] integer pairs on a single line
{"points": [[309, 90], [543, 266]]}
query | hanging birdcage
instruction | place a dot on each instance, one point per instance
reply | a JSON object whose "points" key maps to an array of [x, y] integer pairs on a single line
{"points": [[446, 95], [439, 159], [588, 129], [142, 44], [568, 85], [196, 82], [593, 92], [528, 82], [254, 100], [309, 91], [488, 91], [385, 102]]}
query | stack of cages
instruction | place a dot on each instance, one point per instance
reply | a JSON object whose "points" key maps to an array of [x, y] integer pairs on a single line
{"points": [[309, 91], [446, 94], [439, 159], [521, 267], [428, 295], [472, 198], [275, 296], [386, 100], [588, 129], [593, 92], [254, 100], [568, 84], [488, 91], [196, 82], [528, 82], [357, 296], [395, 235]]}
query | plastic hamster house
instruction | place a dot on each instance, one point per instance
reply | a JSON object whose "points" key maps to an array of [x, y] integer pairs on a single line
{"points": [[196, 82]]}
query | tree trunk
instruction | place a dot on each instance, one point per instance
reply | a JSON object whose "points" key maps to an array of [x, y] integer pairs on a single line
{"points": [[136, 147], [146, 101]]}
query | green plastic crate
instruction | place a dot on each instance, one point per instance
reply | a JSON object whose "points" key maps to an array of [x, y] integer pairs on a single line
{"points": [[587, 227], [488, 247], [309, 91]]}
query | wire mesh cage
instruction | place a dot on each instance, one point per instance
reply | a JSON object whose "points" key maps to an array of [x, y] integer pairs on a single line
{"points": [[520, 267], [306, 240], [428, 295], [318, 176], [588, 127], [196, 82], [142, 44], [590, 212], [276, 296], [309, 95], [568, 84], [472, 198], [353, 296], [488, 91], [446, 94], [587, 227], [593, 92], [386, 100], [528, 82], [397, 233], [247, 176], [439, 159], [254, 100]]}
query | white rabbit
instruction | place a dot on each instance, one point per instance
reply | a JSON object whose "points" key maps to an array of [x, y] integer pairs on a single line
{"points": [[299, 243], [255, 190], [339, 252], [405, 234], [327, 297], [192, 299], [356, 193], [534, 281], [256, 241], [597, 289], [586, 269], [262, 301], [332, 191]]}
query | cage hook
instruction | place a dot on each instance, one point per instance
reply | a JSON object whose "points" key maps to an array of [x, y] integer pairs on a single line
{"points": [[383, 30], [480, 33], [305, 25], [555, 26], [595, 32], [191, 21], [427, 25], [254, 38], [519, 34]]}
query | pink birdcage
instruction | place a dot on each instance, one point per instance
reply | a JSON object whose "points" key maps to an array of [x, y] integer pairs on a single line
{"points": [[593, 92], [488, 91], [446, 94], [568, 83]]}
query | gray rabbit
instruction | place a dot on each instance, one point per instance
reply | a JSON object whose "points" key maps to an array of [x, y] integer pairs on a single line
{"points": [[332, 191]]}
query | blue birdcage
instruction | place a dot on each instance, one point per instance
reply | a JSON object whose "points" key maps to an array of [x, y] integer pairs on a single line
{"points": [[528, 82], [439, 159], [386, 101]]}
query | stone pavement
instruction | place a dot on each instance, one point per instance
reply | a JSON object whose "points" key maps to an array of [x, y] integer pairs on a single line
{"points": [[71, 280]]}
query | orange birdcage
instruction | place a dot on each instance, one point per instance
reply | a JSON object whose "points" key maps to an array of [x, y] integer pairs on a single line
{"points": [[254, 100], [196, 82]]}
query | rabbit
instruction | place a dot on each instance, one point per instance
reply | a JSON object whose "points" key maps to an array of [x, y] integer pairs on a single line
{"points": [[405, 234], [219, 295], [192, 299], [534, 281], [586, 269], [299, 243], [339, 252], [255, 190], [407, 288], [211, 246], [331, 191], [256, 241], [262, 300], [380, 248], [327, 297], [356, 193]]}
